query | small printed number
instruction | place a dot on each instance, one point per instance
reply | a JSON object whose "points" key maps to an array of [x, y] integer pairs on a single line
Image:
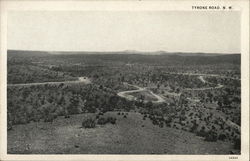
{"points": [[233, 157]]}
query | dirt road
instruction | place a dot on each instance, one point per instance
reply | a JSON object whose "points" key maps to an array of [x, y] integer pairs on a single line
{"points": [[80, 80], [209, 75], [125, 94]]}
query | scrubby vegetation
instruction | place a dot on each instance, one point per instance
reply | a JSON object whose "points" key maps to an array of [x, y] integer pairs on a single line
{"points": [[36, 103], [106, 120], [202, 94], [88, 123]]}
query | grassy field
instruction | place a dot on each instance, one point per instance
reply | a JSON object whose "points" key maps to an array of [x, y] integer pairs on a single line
{"points": [[131, 135]]}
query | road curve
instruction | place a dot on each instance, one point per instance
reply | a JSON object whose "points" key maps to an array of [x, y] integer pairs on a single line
{"points": [[125, 94], [201, 78]]}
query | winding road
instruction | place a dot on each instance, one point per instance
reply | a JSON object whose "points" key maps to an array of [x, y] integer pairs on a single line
{"points": [[125, 94], [160, 99], [80, 80], [209, 75], [201, 78]]}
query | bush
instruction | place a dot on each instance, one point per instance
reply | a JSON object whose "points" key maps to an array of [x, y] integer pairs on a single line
{"points": [[161, 125], [211, 136], [155, 122], [168, 120], [194, 128], [202, 133], [66, 116], [237, 144], [88, 123], [112, 120], [222, 137], [102, 121]]}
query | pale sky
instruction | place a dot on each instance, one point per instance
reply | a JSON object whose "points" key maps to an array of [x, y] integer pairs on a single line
{"points": [[172, 31]]}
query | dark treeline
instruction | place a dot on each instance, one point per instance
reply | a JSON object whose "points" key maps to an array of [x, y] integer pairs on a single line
{"points": [[163, 59]]}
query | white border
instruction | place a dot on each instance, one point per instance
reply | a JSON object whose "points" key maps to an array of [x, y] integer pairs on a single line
{"points": [[242, 6]]}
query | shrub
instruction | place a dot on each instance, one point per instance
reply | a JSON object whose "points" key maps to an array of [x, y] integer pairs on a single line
{"points": [[201, 133], [168, 120], [155, 122], [112, 120], [66, 116], [124, 116], [161, 125], [222, 137], [54, 116], [211, 136], [194, 127], [237, 144], [88, 123], [102, 121]]}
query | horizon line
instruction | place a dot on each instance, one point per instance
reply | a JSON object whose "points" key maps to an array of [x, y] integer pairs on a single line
{"points": [[128, 51]]}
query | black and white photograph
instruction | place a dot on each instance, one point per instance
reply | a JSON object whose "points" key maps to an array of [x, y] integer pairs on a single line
{"points": [[124, 82]]}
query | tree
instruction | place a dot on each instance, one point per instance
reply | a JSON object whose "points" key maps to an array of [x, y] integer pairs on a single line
{"points": [[211, 136], [237, 143]]}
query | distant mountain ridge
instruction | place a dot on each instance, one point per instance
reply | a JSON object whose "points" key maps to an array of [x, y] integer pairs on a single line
{"points": [[156, 58], [119, 52]]}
